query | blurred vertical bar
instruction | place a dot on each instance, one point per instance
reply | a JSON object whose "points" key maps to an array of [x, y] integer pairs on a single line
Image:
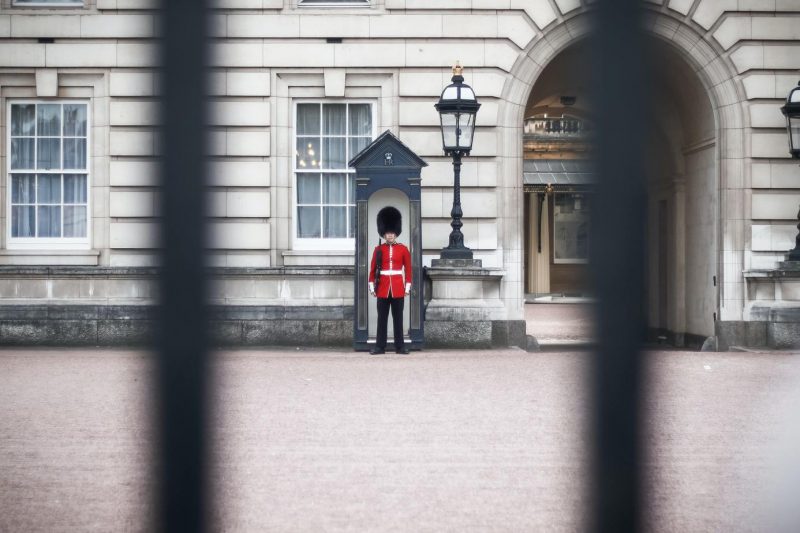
{"points": [[181, 329], [618, 255]]}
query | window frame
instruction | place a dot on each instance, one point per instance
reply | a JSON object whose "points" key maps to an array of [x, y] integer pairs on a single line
{"points": [[333, 3], [50, 243], [322, 243], [45, 3]]}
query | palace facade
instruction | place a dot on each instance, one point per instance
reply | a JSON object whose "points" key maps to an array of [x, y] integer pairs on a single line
{"points": [[298, 87]]}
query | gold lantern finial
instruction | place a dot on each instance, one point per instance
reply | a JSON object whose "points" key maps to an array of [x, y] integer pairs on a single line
{"points": [[457, 69]]}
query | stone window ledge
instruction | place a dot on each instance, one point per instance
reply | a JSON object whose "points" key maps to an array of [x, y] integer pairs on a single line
{"points": [[49, 257], [318, 258]]}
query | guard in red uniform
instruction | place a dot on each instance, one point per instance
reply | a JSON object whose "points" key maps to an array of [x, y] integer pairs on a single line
{"points": [[389, 261]]}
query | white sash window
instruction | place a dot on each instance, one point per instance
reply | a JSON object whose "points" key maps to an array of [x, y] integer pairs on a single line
{"points": [[327, 136], [48, 172]]}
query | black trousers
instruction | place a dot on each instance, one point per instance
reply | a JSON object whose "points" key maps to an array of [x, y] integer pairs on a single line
{"points": [[396, 304]]}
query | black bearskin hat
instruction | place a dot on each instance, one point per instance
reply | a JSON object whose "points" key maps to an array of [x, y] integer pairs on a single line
{"points": [[389, 219]]}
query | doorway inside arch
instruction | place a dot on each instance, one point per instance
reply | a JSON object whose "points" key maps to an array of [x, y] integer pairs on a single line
{"points": [[682, 202], [558, 182]]}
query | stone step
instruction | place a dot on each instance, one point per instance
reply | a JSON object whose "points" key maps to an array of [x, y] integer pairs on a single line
{"points": [[558, 345], [764, 349]]}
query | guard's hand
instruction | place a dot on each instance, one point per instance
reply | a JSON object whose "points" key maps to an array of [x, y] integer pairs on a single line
{"points": [[408, 289], [372, 288]]}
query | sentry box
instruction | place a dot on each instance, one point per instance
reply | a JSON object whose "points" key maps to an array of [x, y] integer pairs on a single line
{"points": [[387, 175]]}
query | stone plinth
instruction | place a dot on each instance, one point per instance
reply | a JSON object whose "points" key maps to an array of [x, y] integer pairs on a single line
{"points": [[465, 308], [773, 299]]}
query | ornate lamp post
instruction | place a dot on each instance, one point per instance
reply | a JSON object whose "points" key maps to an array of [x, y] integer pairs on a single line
{"points": [[792, 112], [457, 108]]}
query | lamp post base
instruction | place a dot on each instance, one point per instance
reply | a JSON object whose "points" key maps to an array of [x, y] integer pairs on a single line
{"points": [[790, 265], [456, 252], [457, 262]]}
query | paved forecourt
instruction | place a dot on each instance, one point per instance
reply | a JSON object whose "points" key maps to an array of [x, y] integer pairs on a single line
{"points": [[438, 440]]}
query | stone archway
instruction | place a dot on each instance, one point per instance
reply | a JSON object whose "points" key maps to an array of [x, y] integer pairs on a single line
{"points": [[716, 77]]}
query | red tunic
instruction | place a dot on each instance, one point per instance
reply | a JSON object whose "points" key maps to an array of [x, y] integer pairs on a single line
{"points": [[395, 258]]}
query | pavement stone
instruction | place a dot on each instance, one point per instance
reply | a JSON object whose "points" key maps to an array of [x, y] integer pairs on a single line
{"points": [[550, 322], [441, 440]]}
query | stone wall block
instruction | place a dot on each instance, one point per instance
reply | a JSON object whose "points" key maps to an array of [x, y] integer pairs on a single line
{"points": [[516, 28], [248, 83], [451, 334], [739, 333], [441, 53], [239, 288], [22, 55], [781, 56], [41, 25], [81, 55], [240, 113], [226, 333], [267, 288], [237, 55], [332, 289], [414, 25], [125, 332], [708, 11], [681, 6], [132, 204], [133, 113], [66, 289], [761, 291], [133, 235], [470, 26], [131, 143], [775, 205], [280, 332], [428, 83], [297, 289], [116, 26], [769, 145], [335, 332], [31, 288], [239, 235], [239, 173], [785, 335], [733, 30], [508, 333], [302, 54], [23, 312], [72, 332], [131, 83], [136, 55], [133, 173], [263, 26], [247, 143], [316, 26], [22, 333], [747, 57], [438, 4], [787, 290], [759, 85]]}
